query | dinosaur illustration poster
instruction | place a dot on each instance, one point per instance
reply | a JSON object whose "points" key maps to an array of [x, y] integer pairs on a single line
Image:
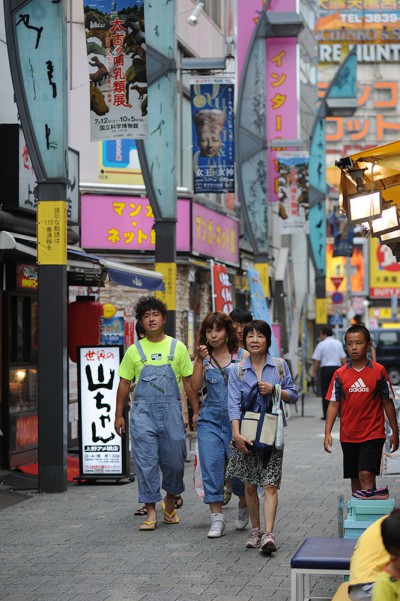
{"points": [[116, 54]]}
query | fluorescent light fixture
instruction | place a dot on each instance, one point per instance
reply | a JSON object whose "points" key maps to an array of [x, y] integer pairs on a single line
{"points": [[362, 207], [388, 222], [391, 236]]}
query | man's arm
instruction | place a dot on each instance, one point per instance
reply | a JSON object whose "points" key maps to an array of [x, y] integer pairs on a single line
{"points": [[122, 395], [390, 411], [193, 399], [316, 363]]}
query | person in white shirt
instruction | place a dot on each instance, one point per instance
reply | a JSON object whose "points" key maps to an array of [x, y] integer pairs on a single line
{"points": [[328, 356]]}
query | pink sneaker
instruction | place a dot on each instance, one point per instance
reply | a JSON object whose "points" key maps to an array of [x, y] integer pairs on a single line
{"points": [[373, 493], [254, 539], [268, 544]]}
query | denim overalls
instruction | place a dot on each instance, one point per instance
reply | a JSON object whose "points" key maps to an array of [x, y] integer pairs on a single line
{"points": [[157, 430], [214, 433]]}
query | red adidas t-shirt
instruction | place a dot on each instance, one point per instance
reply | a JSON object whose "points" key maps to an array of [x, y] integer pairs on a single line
{"points": [[360, 393]]}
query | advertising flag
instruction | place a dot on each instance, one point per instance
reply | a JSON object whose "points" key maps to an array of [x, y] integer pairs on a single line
{"points": [[293, 192], [343, 235], [116, 54], [222, 297], [213, 134], [259, 307]]}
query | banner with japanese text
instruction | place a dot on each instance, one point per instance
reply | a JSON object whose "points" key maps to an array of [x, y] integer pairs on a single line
{"points": [[213, 134], [293, 192], [282, 101], [384, 271], [222, 296], [116, 53], [102, 451]]}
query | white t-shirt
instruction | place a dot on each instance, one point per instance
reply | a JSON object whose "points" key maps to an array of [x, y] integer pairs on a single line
{"points": [[329, 352]]}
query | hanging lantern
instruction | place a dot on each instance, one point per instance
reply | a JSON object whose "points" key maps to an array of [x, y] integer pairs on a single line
{"points": [[84, 317]]}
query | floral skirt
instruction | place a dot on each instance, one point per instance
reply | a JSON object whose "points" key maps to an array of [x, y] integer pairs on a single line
{"points": [[251, 468]]}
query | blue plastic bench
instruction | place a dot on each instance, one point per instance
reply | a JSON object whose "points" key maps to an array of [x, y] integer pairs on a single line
{"points": [[319, 556]]}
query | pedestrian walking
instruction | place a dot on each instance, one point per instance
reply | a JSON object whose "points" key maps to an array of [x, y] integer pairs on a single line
{"points": [[240, 317], [259, 374], [157, 363], [364, 394], [217, 352], [328, 356]]}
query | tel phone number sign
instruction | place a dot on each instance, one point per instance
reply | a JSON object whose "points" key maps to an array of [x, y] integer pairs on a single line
{"points": [[101, 447]]}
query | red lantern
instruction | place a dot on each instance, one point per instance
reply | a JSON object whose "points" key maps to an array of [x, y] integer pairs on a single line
{"points": [[83, 324]]}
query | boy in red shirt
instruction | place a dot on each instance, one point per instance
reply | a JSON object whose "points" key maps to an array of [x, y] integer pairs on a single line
{"points": [[362, 390]]}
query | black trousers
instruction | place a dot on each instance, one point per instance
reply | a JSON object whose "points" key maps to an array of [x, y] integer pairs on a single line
{"points": [[325, 377]]}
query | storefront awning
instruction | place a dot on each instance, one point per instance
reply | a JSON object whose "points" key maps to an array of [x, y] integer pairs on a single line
{"points": [[79, 260]]}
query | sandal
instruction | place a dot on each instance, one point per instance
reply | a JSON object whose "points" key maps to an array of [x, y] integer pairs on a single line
{"points": [[148, 525], [141, 511], [169, 518], [178, 502]]}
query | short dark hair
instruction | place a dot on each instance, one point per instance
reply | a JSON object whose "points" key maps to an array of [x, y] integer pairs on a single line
{"points": [[358, 328], [222, 320], [390, 529], [327, 331], [140, 331], [241, 315], [260, 326], [149, 303]]}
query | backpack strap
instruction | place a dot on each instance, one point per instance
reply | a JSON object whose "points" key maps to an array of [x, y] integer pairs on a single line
{"points": [[279, 367], [139, 347], [240, 370]]}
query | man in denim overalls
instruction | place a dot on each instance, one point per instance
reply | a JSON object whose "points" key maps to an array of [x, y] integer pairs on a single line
{"points": [[157, 362]]}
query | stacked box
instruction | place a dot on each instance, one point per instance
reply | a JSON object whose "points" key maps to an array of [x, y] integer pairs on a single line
{"points": [[362, 513]]}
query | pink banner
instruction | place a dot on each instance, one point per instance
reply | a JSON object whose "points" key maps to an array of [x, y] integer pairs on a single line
{"points": [[126, 223], [214, 235], [282, 101]]}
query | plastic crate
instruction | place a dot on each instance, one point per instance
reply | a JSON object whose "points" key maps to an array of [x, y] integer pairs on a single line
{"points": [[368, 510], [354, 528]]}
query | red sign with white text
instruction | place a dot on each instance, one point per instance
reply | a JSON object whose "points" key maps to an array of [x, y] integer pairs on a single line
{"points": [[222, 289]]}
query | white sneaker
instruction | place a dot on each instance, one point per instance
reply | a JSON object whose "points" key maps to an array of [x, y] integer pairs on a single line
{"points": [[218, 526], [242, 519]]}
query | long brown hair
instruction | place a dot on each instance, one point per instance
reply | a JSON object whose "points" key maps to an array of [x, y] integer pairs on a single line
{"points": [[221, 320]]}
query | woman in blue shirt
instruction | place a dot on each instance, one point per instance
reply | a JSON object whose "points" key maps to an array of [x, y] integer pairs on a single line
{"points": [[257, 469]]}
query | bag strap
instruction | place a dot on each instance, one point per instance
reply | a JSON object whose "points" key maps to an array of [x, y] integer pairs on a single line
{"points": [[279, 367], [220, 368]]}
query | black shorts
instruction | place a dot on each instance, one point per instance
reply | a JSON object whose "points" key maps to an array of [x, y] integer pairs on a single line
{"points": [[362, 457]]}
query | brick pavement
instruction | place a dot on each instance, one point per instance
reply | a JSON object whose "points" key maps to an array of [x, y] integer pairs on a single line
{"points": [[84, 545]]}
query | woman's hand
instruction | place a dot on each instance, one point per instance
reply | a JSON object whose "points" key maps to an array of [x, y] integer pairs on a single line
{"points": [[241, 442], [202, 352], [265, 388]]}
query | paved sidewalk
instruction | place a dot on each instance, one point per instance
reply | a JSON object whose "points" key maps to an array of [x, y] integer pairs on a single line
{"points": [[84, 545]]}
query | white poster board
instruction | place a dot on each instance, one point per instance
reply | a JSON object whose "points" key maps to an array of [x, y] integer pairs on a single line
{"points": [[102, 451]]}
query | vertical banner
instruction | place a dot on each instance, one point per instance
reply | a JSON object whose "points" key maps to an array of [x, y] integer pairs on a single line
{"points": [[222, 289], [259, 307], [169, 296], [102, 452], [116, 53], [343, 235], [282, 101], [213, 134], [293, 192]]}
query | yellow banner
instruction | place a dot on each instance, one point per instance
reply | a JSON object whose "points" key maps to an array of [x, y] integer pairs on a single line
{"points": [[263, 270], [321, 316], [52, 232], [169, 296]]}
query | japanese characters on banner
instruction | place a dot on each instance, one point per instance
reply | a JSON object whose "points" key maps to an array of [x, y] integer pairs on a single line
{"points": [[213, 134], [116, 52], [282, 100], [384, 276], [102, 450], [222, 289], [293, 192]]}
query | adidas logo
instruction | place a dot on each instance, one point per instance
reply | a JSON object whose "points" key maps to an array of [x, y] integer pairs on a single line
{"points": [[358, 386]]}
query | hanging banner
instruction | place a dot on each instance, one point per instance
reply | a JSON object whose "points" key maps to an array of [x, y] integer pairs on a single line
{"points": [[343, 235], [213, 134], [116, 53], [259, 307], [293, 192], [222, 289], [102, 452]]}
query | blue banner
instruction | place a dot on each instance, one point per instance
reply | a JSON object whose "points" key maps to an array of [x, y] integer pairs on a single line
{"points": [[213, 135], [259, 307], [343, 235]]}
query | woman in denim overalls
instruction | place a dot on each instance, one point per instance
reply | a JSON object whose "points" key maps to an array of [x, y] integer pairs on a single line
{"points": [[217, 352]]}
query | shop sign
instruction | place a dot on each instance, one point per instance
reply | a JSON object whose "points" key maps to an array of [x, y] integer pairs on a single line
{"points": [[384, 271], [102, 451], [214, 235], [27, 276], [222, 289]]}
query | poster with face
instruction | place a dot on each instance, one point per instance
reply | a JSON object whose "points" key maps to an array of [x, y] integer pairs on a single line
{"points": [[212, 130]]}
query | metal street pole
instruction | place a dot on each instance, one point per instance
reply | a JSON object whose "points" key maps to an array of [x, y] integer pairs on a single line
{"points": [[37, 49]]}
